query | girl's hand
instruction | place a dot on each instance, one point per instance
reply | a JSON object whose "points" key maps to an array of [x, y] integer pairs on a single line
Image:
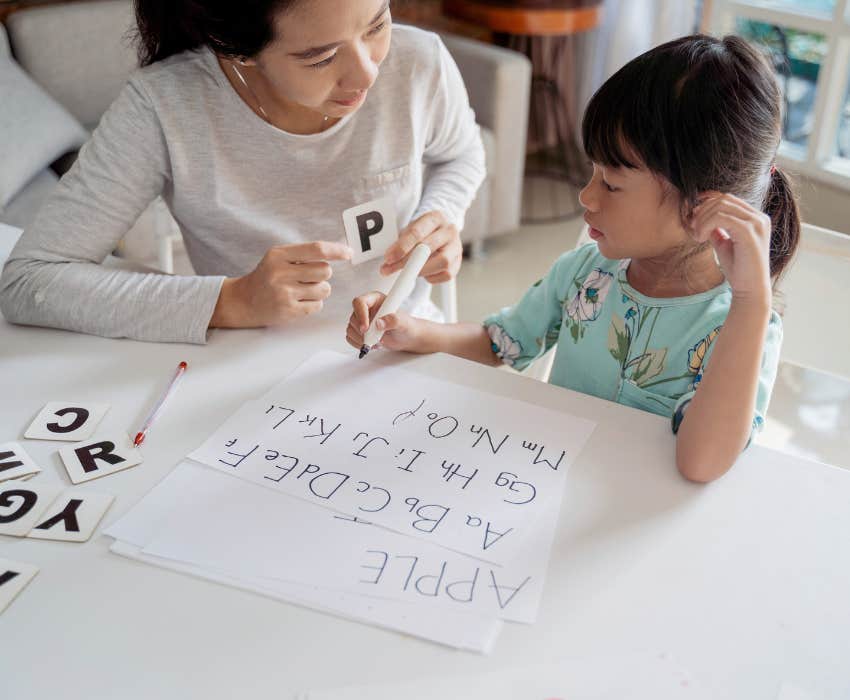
{"points": [[401, 331], [740, 235], [440, 236], [290, 281]]}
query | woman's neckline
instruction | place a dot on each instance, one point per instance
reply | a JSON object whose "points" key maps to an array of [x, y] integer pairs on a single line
{"points": [[252, 116]]}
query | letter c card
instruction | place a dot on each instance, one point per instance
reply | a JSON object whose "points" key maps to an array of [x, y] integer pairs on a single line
{"points": [[66, 420]]}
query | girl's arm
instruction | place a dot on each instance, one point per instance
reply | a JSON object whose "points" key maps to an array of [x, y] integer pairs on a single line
{"points": [[719, 419], [406, 333]]}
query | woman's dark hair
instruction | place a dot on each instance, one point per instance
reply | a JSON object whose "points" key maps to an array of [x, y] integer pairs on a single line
{"points": [[705, 114], [233, 29]]}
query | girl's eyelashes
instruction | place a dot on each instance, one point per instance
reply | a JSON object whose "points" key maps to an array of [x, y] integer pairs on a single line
{"points": [[377, 29], [610, 187]]}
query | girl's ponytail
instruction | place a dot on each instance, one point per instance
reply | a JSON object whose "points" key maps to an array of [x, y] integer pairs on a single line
{"points": [[781, 205]]}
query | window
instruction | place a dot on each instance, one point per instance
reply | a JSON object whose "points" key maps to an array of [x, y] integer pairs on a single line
{"points": [[809, 45]]}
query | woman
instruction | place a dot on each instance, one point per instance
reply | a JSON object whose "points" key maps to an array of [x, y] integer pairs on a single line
{"points": [[259, 124]]}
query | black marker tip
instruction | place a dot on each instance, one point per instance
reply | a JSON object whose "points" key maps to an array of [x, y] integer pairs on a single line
{"points": [[364, 350]]}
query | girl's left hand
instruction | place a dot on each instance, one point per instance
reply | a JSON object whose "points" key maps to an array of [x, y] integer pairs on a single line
{"points": [[442, 237], [740, 235]]}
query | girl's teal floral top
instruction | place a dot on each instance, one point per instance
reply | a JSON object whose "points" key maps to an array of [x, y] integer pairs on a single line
{"points": [[616, 343]]}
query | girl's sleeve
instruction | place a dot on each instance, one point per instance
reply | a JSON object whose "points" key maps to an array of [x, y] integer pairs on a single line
{"points": [[453, 149], [767, 377], [55, 276], [523, 332]]}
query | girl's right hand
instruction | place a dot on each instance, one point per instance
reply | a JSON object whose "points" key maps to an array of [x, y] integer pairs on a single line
{"points": [[400, 330]]}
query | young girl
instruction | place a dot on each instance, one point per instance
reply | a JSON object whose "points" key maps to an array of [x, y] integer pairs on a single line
{"points": [[669, 308]]}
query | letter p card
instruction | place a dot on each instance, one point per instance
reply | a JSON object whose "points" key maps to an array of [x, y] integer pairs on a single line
{"points": [[370, 228]]}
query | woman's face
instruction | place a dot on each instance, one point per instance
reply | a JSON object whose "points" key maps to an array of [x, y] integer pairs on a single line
{"points": [[327, 53], [631, 213]]}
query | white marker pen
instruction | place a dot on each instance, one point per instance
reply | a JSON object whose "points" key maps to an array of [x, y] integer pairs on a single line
{"points": [[401, 289]]}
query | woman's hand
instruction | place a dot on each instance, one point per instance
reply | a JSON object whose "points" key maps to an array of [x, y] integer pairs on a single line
{"points": [[290, 281], [740, 235], [440, 236], [400, 330]]}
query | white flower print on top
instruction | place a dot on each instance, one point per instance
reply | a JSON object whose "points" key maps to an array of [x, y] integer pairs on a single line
{"points": [[587, 303], [504, 346]]}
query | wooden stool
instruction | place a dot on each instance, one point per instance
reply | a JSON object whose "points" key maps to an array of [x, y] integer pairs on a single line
{"points": [[522, 25], [529, 18]]}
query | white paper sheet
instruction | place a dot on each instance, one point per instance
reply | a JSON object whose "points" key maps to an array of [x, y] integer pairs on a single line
{"points": [[237, 527], [424, 457], [469, 632]]}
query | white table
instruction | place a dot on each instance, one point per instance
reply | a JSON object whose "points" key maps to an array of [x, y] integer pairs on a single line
{"points": [[746, 581]]}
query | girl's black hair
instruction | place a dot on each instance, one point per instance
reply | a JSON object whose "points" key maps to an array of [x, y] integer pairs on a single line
{"points": [[233, 29], [705, 114]]}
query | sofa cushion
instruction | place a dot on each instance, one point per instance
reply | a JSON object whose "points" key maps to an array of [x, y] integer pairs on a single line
{"points": [[79, 52], [22, 209], [34, 130], [4, 42]]}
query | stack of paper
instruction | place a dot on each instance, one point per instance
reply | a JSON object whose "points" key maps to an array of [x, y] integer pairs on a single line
{"points": [[375, 493]]}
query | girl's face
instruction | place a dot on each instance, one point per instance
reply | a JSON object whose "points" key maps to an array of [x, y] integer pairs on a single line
{"points": [[631, 214], [327, 53]]}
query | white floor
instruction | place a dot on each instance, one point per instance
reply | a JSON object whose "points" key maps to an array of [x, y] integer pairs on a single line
{"points": [[809, 413]]}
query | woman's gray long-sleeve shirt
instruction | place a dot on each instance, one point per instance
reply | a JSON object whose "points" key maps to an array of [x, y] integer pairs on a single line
{"points": [[237, 186]]}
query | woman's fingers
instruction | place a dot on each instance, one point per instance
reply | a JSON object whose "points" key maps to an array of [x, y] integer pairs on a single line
{"points": [[415, 232], [307, 273], [444, 262], [315, 251], [318, 291], [307, 308]]}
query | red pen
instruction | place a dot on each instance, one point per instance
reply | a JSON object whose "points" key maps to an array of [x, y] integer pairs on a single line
{"points": [[154, 414]]}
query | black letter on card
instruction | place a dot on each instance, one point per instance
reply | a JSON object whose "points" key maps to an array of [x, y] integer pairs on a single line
{"points": [[82, 415], [369, 224], [29, 499], [4, 465], [68, 515], [89, 455], [7, 576]]}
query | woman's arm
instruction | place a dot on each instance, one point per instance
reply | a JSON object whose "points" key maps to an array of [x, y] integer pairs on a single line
{"points": [[54, 276], [719, 419], [453, 150], [454, 155]]}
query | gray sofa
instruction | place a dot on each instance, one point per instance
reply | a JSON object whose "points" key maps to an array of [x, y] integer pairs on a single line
{"points": [[80, 55]]}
